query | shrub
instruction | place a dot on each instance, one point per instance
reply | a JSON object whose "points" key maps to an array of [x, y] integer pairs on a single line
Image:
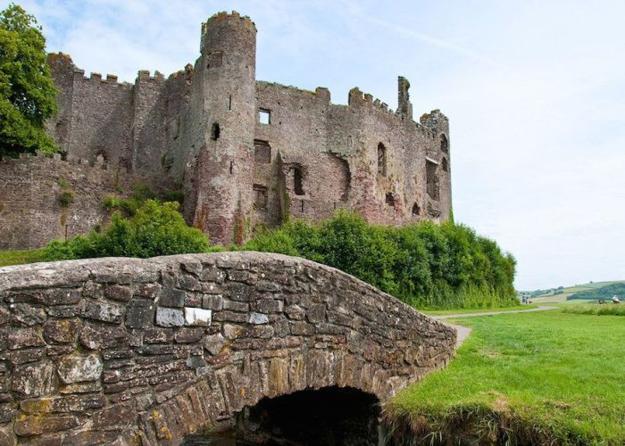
{"points": [[427, 265], [66, 198], [154, 229]]}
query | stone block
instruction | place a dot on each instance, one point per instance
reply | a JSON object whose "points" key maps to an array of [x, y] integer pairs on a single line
{"points": [[78, 368], [103, 311], [214, 343], [258, 318], [61, 331], [34, 380], [171, 297], [197, 316], [169, 317], [140, 313]]}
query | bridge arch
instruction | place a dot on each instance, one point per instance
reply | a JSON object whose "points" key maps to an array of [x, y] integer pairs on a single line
{"points": [[131, 351]]}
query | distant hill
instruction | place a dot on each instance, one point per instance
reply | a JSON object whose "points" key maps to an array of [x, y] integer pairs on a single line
{"points": [[604, 292], [562, 293]]}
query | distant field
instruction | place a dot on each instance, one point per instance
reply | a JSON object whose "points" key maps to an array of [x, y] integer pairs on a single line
{"points": [[566, 292], [527, 378]]}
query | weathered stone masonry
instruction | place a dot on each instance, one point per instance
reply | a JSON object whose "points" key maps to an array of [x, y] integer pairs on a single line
{"points": [[249, 152], [129, 351]]}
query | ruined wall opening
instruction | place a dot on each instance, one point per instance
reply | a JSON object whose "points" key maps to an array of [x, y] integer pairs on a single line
{"points": [[432, 182], [298, 180], [215, 59], [416, 210], [381, 160], [260, 197], [215, 131], [390, 199], [262, 152], [444, 143], [444, 165], [331, 416], [264, 116]]}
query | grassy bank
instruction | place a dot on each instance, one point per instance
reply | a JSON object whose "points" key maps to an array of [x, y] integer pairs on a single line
{"points": [[18, 257], [534, 378], [596, 309]]}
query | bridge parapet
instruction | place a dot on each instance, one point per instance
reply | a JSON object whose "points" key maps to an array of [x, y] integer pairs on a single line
{"points": [[131, 351]]}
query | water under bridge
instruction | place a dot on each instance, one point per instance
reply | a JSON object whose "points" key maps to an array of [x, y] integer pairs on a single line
{"points": [[144, 352]]}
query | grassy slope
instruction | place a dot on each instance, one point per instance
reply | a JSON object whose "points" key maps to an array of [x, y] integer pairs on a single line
{"points": [[561, 373], [17, 257], [567, 291], [476, 310]]}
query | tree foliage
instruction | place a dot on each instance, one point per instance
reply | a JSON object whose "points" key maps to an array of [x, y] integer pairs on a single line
{"points": [[427, 265], [155, 229], [27, 92]]}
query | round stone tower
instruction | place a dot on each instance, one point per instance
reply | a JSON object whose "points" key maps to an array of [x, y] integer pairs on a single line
{"points": [[224, 169]]}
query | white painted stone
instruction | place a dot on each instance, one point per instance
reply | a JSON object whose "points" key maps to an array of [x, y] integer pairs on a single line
{"points": [[197, 316], [169, 317]]}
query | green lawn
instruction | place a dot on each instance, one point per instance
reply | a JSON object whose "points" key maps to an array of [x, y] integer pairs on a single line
{"points": [[477, 310], [17, 257], [534, 378]]}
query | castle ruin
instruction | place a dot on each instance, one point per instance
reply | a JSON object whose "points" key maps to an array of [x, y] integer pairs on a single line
{"points": [[243, 152]]}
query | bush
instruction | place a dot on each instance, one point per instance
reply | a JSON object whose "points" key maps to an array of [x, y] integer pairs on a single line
{"points": [[154, 229], [426, 265]]}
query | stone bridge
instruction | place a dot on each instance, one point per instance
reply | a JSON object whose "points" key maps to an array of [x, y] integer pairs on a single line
{"points": [[129, 351]]}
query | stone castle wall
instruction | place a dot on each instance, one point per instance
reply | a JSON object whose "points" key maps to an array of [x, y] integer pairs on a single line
{"points": [[131, 351], [43, 199], [201, 130]]}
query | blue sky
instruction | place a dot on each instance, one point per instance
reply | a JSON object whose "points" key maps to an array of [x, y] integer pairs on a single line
{"points": [[535, 92]]}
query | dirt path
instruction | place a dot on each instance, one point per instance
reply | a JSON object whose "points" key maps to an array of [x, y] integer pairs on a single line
{"points": [[464, 332]]}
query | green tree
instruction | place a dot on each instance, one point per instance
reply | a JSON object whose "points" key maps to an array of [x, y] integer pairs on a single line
{"points": [[27, 92]]}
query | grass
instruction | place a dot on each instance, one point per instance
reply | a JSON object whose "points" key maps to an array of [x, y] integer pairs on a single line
{"points": [[596, 309], [534, 378], [18, 257], [476, 310]]}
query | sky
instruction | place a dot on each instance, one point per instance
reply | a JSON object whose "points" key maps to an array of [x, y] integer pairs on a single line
{"points": [[534, 90]]}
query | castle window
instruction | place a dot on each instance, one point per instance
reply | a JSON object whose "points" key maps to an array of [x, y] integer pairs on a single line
{"points": [[390, 199], [432, 182], [215, 59], [444, 143], [260, 196], [381, 160], [416, 210], [444, 165], [215, 131], [298, 180], [264, 116], [229, 102], [262, 152]]}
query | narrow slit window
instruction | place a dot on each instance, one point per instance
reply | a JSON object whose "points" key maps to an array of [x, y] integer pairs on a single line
{"points": [[264, 116], [381, 160], [215, 131], [444, 165], [298, 181], [229, 102], [432, 181]]}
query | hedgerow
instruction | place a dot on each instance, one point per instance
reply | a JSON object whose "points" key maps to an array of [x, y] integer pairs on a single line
{"points": [[424, 264]]}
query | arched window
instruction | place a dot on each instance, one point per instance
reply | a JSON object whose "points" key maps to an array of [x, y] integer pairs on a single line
{"points": [[381, 160], [444, 143], [444, 165]]}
